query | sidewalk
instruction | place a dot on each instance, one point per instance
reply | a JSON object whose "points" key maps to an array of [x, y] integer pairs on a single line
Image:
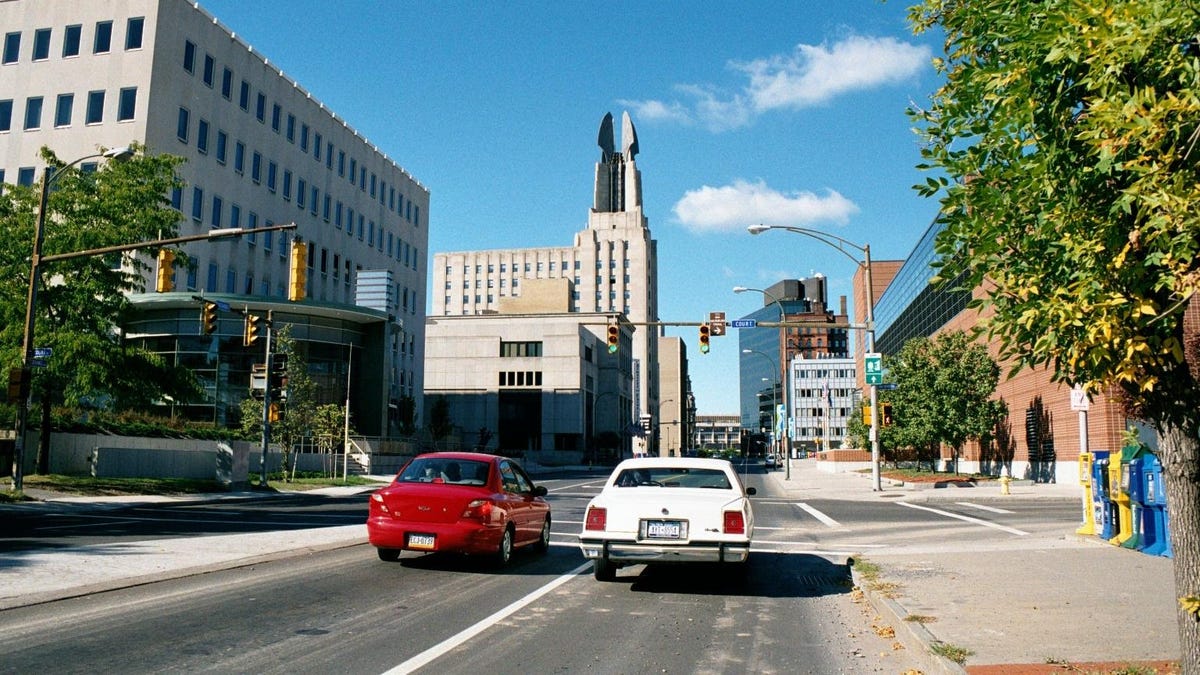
{"points": [[1048, 604]]}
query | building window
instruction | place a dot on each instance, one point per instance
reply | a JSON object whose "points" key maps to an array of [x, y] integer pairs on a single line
{"points": [[103, 41], [41, 44], [197, 204], [244, 96], [210, 67], [95, 108], [239, 157], [271, 168], [181, 127], [276, 114], [260, 107], [256, 168], [177, 198], [126, 103], [317, 146], [291, 128], [33, 112], [235, 215], [133, 32], [25, 176], [515, 349], [287, 185], [211, 285], [303, 138], [218, 206], [189, 56], [62, 112], [300, 193], [71, 41], [202, 137], [12, 47], [222, 146]]}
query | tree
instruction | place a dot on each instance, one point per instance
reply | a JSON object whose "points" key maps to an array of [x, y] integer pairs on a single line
{"points": [[1064, 145], [943, 394], [299, 418], [83, 300], [440, 424]]}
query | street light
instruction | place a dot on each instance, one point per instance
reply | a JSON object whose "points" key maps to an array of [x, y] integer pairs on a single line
{"points": [[49, 175], [787, 445], [775, 410], [842, 245], [664, 446]]}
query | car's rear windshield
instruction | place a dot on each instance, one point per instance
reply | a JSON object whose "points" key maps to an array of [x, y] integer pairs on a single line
{"points": [[442, 470], [672, 477]]}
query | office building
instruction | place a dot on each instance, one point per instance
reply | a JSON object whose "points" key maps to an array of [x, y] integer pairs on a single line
{"points": [[259, 150]]}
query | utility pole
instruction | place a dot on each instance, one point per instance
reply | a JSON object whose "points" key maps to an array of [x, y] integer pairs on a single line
{"points": [[266, 406]]}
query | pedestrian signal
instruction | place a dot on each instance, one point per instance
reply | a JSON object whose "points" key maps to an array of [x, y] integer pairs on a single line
{"points": [[885, 410]]}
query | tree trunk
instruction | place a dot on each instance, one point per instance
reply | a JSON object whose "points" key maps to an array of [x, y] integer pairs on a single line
{"points": [[1180, 456], [43, 457]]}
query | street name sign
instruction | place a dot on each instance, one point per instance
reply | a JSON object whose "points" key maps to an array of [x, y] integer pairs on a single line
{"points": [[743, 323]]}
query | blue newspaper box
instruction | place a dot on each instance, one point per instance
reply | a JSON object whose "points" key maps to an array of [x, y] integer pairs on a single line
{"points": [[1101, 504], [1136, 486], [1155, 537]]}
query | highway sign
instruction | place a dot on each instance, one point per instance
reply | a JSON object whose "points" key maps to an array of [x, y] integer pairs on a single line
{"points": [[873, 367], [743, 323]]}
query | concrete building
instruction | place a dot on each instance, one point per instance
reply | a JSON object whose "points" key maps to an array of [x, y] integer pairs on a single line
{"points": [[766, 351], [259, 149], [822, 399], [718, 432], [677, 408], [530, 377], [612, 266]]}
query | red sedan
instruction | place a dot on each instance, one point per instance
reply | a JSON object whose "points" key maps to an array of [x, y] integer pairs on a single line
{"points": [[464, 502]]}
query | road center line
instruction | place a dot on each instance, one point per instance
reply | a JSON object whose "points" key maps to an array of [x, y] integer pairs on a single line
{"points": [[429, 655], [969, 519], [829, 522], [981, 507]]}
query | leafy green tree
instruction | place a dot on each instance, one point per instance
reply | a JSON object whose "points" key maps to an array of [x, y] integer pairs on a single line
{"points": [[1063, 147], [82, 300], [943, 397], [440, 424], [298, 418]]}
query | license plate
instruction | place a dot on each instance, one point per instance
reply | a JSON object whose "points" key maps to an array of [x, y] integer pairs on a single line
{"points": [[420, 541], [664, 529]]}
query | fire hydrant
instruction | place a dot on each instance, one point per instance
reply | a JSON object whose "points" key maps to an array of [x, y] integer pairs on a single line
{"points": [[1004, 481]]}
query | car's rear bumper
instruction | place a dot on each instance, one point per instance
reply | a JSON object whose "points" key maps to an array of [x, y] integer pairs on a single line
{"points": [[631, 552], [460, 537]]}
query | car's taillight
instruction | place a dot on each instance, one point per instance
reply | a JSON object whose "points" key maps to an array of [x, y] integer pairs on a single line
{"points": [[734, 523], [377, 501], [479, 509], [597, 519]]}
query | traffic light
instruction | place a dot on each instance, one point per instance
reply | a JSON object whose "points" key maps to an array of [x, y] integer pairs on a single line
{"points": [[165, 280], [273, 413], [253, 328], [298, 273], [867, 414], [614, 336], [885, 409], [208, 317], [705, 333]]}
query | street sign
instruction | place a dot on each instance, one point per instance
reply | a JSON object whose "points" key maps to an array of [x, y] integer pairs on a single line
{"points": [[873, 367], [42, 352], [743, 323], [716, 322], [37, 363], [1079, 399], [888, 386]]}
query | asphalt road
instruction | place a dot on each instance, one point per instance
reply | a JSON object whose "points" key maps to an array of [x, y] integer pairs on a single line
{"points": [[344, 610]]}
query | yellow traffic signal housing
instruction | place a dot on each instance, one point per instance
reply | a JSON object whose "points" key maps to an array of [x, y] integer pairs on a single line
{"points": [[165, 279], [252, 331], [614, 337], [705, 336], [867, 414], [273, 413], [208, 318], [298, 273]]}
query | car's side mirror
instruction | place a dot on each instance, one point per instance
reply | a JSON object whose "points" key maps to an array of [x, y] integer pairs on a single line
{"points": [[751, 491], [539, 491]]}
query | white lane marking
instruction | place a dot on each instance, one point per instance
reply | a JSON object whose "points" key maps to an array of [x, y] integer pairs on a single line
{"points": [[440, 649], [976, 521], [587, 483], [982, 507], [829, 522]]}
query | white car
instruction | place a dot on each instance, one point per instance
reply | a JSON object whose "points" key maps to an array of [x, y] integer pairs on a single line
{"points": [[668, 510], [769, 461]]}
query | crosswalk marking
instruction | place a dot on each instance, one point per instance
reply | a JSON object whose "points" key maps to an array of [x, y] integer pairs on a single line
{"points": [[828, 522], [969, 519], [981, 507]]}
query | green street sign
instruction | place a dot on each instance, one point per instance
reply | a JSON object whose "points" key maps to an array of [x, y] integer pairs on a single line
{"points": [[873, 368]]}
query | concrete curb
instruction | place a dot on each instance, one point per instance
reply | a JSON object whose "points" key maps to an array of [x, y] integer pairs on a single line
{"points": [[914, 632]]}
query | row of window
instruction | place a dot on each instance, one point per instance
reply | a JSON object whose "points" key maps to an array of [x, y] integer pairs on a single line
{"points": [[306, 195], [491, 299], [72, 39], [529, 267], [521, 378], [220, 216], [64, 109], [296, 132]]}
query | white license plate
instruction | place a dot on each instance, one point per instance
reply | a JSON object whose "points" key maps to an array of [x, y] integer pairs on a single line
{"points": [[664, 529], [420, 541]]}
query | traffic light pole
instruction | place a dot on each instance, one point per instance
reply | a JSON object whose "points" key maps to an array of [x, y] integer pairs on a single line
{"points": [[266, 409]]}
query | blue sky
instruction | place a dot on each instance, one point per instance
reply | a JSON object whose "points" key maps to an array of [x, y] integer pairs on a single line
{"points": [[789, 113]]}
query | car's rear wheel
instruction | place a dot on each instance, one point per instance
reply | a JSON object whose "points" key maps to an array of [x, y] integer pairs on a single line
{"points": [[388, 554], [543, 542], [505, 549], [603, 569]]}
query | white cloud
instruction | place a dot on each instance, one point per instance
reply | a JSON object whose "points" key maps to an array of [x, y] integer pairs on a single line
{"points": [[733, 207], [810, 75]]}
